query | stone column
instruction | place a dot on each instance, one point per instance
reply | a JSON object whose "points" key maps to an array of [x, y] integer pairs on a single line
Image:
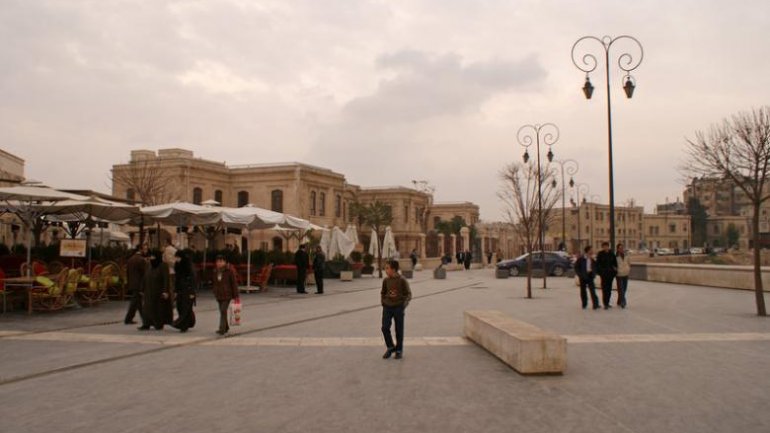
{"points": [[465, 233], [441, 245], [453, 251]]}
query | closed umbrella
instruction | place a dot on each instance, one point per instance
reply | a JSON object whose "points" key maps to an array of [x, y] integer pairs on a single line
{"points": [[388, 244], [352, 234], [374, 245], [325, 240]]}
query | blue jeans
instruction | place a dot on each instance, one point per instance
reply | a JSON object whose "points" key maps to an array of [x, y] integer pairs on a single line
{"points": [[622, 287], [393, 314]]}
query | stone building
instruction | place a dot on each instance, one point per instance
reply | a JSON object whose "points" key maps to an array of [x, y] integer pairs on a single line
{"points": [[317, 194], [589, 224], [667, 231]]}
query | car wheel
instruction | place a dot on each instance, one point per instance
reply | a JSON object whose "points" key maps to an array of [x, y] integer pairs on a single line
{"points": [[514, 271], [558, 271]]}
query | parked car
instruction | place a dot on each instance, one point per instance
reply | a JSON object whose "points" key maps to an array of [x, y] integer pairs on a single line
{"points": [[665, 252], [556, 263], [696, 250]]}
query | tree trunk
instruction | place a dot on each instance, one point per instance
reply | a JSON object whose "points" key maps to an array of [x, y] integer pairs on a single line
{"points": [[758, 288], [529, 275]]}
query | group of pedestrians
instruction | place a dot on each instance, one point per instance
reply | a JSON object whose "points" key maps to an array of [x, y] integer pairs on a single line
{"points": [[154, 287], [302, 262], [464, 259], [611, 267]]}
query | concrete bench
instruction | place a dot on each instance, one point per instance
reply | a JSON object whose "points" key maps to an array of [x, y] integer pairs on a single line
{"points": [[526, 348]]}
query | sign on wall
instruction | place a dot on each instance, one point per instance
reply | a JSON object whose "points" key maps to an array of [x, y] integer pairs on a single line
{"points": [[72, 248]]}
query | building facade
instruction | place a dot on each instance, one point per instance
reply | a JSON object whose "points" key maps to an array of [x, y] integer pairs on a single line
{"points": [[317, 194]]}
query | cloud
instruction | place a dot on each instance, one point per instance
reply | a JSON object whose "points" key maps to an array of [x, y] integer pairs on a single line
{"points": [[425, 85]]}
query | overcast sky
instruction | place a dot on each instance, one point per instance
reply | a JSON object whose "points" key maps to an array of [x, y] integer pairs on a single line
{"points": [[381, 91]]}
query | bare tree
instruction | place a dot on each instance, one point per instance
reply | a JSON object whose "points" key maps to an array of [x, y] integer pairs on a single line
{"points": [[147, 181], [738, 150], [519, 192]]}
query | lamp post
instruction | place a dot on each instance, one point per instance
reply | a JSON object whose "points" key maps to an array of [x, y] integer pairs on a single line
{"points": [[580, 189], [627, 63], [528, 135], [571, 167]]}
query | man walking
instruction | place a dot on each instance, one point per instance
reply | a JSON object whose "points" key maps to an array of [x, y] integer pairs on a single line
{"points": [[607, 267], [395, 296], [585, 268], [302, 261], [225, 289], [136, 266], [318, 269]]}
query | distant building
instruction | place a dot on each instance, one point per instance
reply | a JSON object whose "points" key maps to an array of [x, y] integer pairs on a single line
{"points": [[11, 174], [317, 194]]}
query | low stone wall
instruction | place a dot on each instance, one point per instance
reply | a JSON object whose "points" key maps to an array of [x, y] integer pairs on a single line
{"points": [[526, 348], [733, 277]]}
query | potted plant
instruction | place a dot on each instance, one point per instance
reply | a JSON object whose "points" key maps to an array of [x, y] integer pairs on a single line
{"points": [[333, 267], [357, 266], [368, 268]]}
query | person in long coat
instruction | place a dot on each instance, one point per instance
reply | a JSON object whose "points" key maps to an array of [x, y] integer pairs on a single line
{"points": [[318, 269], [136, 266], [156, 290], [302, 261], [467, 257], [185, 283]]}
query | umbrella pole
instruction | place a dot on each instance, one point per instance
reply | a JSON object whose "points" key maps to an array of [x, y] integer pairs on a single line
{"points": [[29, 250], [248, 260]]}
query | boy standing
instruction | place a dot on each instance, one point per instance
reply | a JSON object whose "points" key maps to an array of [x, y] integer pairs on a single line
{"points": [[225, 289], [395, 296]]}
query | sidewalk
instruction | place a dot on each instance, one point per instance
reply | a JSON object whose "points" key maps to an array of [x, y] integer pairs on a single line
{"points": [[679, 359]]}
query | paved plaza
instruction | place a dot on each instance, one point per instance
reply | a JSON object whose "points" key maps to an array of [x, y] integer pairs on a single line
{"points": [[679, 359]]}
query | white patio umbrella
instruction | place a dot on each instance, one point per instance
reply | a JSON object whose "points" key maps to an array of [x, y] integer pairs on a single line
{"points": [[388, 244], [181, 214], [374, 245], [325, 240], [352, 233], [340, 243], [24, 201]]}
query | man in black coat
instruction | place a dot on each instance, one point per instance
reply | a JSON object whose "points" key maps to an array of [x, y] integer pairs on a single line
{"points": [[318, 269], [585, 269], [302, 261], [135, 268], [607, 268]]}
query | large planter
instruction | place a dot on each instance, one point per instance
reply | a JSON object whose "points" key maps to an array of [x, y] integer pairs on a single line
{"points": [[346, 276], [439, 273], [407, 274], [332, 269], [502, 273]]}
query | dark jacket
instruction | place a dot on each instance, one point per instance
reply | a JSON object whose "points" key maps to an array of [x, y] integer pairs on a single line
{"points": [[136, 267], [395, 292], [225, 286], [606, 264], [301, 260], [184, 282], [318, 262], [581, 268]]}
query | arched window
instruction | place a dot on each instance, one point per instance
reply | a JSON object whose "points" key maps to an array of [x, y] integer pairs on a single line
{"points": [[277, 244], [197, 195], [243, 198], [131, 194], [276, 200], [218, 196], [312, 203], [322, 204]]}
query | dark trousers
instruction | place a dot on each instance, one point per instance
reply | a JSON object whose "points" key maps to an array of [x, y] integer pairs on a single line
{"points": [[622, 287], [607, 280], [588, 283], [319, 281], [184, 310], [301, 277], [223, 326], [396, 314], [134, 305]]}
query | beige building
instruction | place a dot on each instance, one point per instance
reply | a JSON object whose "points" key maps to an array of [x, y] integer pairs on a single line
{"points": [[589, 224], [717, 229], [318, 194], [667, 231]]}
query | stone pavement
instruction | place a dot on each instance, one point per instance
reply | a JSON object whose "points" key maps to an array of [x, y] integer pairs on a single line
{"points": [[679, 359]]}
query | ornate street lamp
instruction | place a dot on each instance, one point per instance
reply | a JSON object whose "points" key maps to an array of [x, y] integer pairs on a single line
{"points": [[571, 167], [627, 62], [547, 134]]}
